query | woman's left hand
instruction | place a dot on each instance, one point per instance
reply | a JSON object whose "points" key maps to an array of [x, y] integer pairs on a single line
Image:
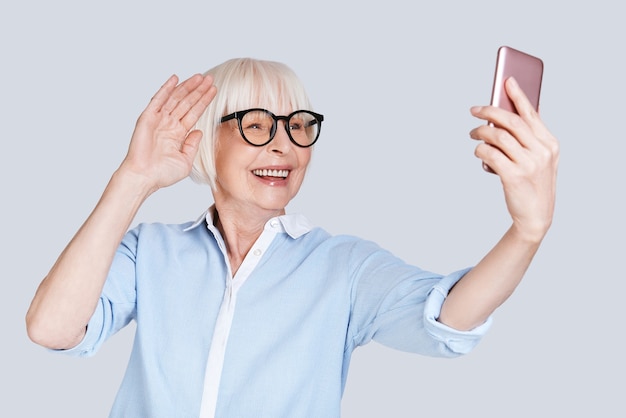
{"points": [[524, 154]]}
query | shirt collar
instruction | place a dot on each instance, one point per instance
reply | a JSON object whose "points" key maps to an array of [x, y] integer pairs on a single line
{"points": [[293, 224]]}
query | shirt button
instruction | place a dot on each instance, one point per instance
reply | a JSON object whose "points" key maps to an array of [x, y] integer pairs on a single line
{"points": [[257, 252], [274, 223]]}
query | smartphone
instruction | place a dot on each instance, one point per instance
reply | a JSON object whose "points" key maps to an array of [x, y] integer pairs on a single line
{"points": [[525, 68], [527, 71]]}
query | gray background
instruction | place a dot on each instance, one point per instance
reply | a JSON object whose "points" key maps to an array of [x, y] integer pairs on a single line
{"points": [[394, 164]]}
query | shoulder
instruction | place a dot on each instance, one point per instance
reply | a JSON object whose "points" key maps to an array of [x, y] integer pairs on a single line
{"points": [[159, 236], [348, 248], [163, 229]]}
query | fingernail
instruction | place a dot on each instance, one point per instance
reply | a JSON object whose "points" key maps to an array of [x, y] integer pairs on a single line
{"points": [[475, 109]]}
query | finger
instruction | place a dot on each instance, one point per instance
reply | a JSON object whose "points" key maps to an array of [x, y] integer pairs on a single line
{"points": [[499, 139], [190, 147], [527, 112], [180, 92], [493, 158], [195, 97], [501, 151], [194, 113], [523, 106], [161, 96], [533, 135], [508, 121]]}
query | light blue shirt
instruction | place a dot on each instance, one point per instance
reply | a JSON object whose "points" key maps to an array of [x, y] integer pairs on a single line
{"points": [[273, 341]]}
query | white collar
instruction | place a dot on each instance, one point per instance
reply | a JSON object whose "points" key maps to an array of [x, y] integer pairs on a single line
{"points": [[294, 224]]}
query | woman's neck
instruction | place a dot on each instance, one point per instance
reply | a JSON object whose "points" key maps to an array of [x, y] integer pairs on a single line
{"points": [[240, 230]]}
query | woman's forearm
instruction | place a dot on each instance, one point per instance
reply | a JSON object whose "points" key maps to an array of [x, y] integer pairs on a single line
{"points": [[490, 282], [67, 297]]}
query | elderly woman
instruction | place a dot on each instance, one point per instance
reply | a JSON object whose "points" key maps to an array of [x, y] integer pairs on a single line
{"points": [[249, 311]]}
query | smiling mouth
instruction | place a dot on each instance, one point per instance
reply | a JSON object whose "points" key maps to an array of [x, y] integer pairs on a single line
{"points": [[271, 173]]}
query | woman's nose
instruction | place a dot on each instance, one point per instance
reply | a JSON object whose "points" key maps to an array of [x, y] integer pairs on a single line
{"points": [[281, 143]]}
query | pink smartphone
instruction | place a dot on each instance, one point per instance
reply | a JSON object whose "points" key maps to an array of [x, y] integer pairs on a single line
{"points": [[525, 68], [527, 71]]}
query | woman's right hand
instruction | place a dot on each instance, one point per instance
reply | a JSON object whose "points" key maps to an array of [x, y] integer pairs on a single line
{"points": [[162, 148]]}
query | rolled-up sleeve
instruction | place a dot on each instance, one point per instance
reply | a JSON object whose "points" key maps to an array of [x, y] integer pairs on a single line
{"points": [[117, 304], [397, 305], [458, 342]]}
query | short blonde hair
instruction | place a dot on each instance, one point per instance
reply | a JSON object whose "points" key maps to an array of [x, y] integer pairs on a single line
{"points": [[243, 83]]}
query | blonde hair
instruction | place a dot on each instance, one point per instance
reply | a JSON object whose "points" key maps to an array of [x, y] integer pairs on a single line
{"points": [[243, 83]]}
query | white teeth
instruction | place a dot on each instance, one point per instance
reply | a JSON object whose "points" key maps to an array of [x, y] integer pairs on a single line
{"points": [[271, 173]]}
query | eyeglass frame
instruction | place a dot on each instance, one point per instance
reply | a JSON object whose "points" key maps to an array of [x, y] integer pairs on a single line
{"points": [[241, 113]]}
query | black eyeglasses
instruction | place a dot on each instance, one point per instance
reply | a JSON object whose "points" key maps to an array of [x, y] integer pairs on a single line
{"points": [[258, 126]]}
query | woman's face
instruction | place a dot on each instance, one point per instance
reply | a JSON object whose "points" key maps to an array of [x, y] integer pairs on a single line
{"points": [[253, 178]]}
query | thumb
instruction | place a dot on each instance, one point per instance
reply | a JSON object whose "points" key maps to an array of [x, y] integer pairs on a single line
{"points": [[191, 144]]}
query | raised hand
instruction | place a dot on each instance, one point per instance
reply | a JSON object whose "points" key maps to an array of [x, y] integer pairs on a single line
{"points": [[161, 153], [523, 152], [162, 148]]}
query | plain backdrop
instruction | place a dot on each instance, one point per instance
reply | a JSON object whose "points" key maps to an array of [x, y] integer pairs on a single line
{"points": [[395, 80]]}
